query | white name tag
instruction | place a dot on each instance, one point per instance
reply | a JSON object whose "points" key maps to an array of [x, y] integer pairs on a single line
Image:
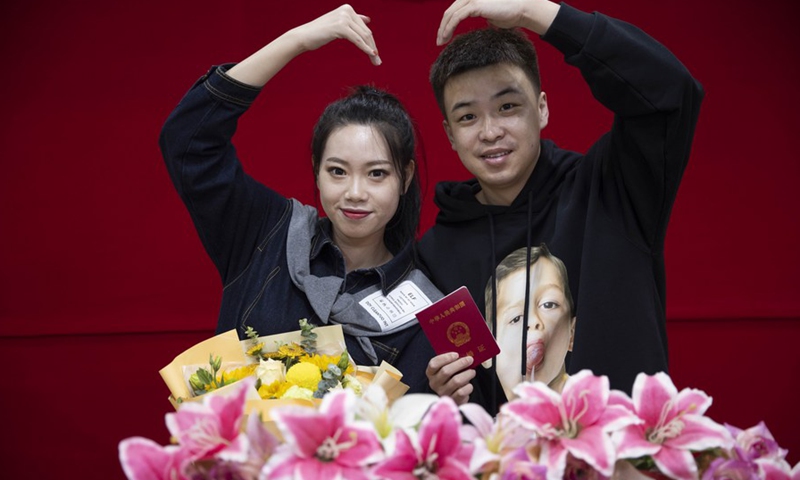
{"points": [[397, 308]]}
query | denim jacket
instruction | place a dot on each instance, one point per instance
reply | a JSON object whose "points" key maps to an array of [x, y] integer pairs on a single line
{"points": [[244, 227]]}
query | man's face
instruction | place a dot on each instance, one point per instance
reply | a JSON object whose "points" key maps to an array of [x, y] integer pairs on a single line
{"points": [[550, 326], [494, 116]]}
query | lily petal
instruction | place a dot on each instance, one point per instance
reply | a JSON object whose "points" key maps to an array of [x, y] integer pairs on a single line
{"points": [[630, 442], [650, 394], [439, 429], [478, 417], [303, 428], [585, 397], [676, 463], [700, 433], [366, 450], [622, 399], [693, 401], [408, 410], [554, 455], [401, 464], [616, 417], [143, 459], [594, 447], [539, 416]]}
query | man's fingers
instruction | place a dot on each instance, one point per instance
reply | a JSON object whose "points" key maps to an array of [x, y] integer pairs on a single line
{"points": [[437, 362], [458, 383], [454, 15], [461, 396]]}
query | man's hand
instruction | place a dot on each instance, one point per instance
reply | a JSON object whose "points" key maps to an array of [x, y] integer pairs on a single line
{"points": [[449, 376], [535, 15]]}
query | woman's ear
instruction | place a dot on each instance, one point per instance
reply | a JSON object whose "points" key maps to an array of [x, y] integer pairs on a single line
{"points": [[572, 332], [409, 174]]}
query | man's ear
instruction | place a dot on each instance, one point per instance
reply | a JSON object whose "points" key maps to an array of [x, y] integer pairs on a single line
{"points": [[409, 174], [572, 332], [449, 132], [544, 111]]}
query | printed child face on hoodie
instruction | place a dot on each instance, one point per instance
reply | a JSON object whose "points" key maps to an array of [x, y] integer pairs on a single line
{"points": [[494, 116], [551, 326]]}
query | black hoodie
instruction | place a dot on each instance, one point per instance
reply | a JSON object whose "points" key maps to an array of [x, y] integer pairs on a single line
{"points": [[604, 214]]}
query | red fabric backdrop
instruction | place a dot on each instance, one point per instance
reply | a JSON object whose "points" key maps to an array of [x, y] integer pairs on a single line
{"points": [[103, 280]]}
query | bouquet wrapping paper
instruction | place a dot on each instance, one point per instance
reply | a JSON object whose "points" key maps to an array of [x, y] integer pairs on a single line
{"points": [[227, 346]]}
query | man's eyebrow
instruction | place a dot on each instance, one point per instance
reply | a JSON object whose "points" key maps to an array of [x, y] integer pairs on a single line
{"points": [[505, 91]]}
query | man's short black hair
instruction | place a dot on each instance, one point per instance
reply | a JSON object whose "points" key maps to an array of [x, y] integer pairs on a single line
{"points": [[483, 48]]}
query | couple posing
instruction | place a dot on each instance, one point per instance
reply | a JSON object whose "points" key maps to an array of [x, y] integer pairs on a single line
{"points": [[601, 216]]}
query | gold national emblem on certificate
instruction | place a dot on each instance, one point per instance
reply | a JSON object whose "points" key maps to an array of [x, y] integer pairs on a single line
{"points": [[458, 333]]}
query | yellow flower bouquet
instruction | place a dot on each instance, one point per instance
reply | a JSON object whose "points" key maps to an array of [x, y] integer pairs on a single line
{"points": [[295, 368]]}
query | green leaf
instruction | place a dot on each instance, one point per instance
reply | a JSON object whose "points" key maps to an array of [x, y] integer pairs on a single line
{"points": [[205, 376], [344, 361], [251, 333]]}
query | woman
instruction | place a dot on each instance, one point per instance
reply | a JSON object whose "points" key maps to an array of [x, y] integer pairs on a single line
{"points": [[278, 260]]}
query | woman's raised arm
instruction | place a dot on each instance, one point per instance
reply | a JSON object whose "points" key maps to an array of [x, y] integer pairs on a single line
{"points": [[257, 69]]}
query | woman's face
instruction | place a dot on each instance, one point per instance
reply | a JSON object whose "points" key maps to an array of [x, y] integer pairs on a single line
{"points": [[358, 184], [550, 327]]}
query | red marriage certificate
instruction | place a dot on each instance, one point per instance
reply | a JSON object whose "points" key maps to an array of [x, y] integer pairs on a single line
{"points": [[454, 324]]}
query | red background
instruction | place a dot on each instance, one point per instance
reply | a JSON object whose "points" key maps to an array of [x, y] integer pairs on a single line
{"points": [[103, 280]]}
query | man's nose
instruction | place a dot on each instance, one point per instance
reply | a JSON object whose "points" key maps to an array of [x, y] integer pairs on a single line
{"points": [[491, 130]]}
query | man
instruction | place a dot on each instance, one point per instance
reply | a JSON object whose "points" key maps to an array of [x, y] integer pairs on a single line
{"points": [[604, 213]]}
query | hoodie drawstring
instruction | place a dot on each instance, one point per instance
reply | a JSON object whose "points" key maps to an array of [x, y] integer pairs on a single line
{"points": [[493, 372], [524, 356]]}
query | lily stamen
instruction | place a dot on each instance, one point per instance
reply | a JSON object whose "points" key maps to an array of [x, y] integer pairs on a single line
{"points": [[331, 448]]}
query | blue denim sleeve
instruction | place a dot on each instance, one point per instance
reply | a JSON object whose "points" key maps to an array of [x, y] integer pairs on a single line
{"points": [[230, 210]]}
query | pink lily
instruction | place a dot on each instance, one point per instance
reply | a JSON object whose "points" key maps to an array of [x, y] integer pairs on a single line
{"points": [[673, 426], [491, 439], [144, 459], [577, 421], [326, 444], [213, 427], [203, 430], [436, 452]]}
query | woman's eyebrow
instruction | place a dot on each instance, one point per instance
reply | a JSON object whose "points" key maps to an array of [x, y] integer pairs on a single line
{"points": [[370, 163]]}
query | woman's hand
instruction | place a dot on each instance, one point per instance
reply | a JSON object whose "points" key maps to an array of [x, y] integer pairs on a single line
{"points": [[344, 22]]}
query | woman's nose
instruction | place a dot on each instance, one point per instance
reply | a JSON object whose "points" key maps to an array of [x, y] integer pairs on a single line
{"points": [[356, 190]]}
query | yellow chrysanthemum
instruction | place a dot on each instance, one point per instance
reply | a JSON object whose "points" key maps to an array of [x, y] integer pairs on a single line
{"points": [[273, 390], [322, 361], [304, 374], [291, 350], [255, 350], [236, 374]]}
